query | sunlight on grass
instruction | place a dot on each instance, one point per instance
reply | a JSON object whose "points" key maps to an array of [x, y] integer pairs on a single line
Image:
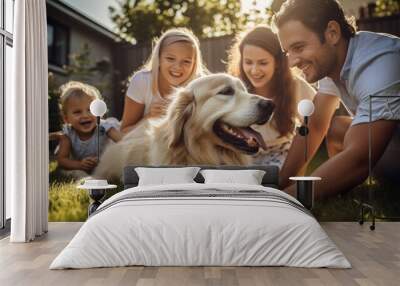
{"points": [[67, 203], [52, 166]]}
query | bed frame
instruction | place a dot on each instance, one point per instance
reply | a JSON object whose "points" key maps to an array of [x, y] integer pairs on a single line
{"points": [[271, 178]]}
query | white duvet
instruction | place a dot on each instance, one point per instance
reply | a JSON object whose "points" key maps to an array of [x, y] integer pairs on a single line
{"points": [[206, 230]]}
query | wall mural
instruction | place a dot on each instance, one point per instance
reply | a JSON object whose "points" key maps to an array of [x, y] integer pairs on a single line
{"points": [[239, 107]]}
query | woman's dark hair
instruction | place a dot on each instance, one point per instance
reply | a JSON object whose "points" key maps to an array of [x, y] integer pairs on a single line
{"points": [[282, 83], [315, 15]]}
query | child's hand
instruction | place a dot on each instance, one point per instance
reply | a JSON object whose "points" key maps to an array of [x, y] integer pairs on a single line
{"points": [[88, 163], [114, 134]]}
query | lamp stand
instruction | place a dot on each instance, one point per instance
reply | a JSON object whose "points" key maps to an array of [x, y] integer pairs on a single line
{"points": [[96, 195], [306, 139], [371, 192], [98, 138], [303, 131]]}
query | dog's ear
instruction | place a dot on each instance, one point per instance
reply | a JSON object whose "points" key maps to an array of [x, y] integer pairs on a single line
{"points": [[179, 112]]}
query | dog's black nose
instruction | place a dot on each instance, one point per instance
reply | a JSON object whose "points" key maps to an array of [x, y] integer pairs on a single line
{"points": [[265, 107]]}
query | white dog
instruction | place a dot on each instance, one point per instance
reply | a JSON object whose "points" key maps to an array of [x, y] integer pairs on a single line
{"points": [[207, 123]]}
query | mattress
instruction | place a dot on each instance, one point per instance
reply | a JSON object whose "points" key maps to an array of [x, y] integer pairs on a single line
{"points": [[201, 225]]}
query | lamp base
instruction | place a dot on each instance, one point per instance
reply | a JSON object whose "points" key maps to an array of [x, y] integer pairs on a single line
{"points": [[96, 195], [305, 190], [305, 193]]}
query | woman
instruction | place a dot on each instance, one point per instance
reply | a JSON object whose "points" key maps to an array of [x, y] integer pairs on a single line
{"points": [[258, 60]]}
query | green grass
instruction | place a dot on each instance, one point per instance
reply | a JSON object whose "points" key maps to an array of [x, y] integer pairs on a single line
{"points": [[67, 203], [344, 208]]}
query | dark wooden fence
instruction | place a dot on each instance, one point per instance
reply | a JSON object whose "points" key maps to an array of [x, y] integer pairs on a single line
{"points": [[389, 24]]}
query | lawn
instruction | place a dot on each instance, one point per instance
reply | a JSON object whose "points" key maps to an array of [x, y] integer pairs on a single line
{"points": [[67, 203]]}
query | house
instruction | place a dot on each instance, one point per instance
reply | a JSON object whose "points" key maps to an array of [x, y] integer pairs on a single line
{"points": [[71, 32]]}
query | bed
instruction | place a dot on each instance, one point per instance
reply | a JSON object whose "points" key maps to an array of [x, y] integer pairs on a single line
{"points": [[201, 224]]}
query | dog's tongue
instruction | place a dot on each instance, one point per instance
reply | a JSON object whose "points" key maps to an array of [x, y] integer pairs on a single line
{"points": [[251, 134]]}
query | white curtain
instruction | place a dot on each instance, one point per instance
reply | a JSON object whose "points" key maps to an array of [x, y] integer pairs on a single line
{"points": [[27, 124]]}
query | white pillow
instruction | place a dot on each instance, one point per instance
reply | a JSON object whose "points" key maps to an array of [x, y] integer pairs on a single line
{"points": [[163, 176], [248, 177]]}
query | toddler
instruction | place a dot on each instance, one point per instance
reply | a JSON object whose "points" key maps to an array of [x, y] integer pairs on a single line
{"points": [[78, 144]]}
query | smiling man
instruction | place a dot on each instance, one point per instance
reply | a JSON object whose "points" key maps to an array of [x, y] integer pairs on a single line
{"points": [[350, 67]]}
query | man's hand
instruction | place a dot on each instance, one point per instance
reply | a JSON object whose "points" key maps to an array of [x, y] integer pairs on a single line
{"points": [[349, 168]]}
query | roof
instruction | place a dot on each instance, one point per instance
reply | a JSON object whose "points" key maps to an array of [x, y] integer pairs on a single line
{"points": [[82, 18]]}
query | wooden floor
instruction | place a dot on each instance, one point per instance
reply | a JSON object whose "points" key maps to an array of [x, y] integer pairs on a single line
{"points": [[374, 255]]}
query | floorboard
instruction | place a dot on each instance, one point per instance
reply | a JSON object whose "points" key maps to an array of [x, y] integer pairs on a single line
{"points": [[374, 255]]}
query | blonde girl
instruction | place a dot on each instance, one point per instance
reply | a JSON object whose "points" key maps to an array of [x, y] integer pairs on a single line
{"points": [[175, 61]]}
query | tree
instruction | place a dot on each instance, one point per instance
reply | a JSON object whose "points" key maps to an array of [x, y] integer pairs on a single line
{"points": [[82, 68], [256, 16], [387, 8], [143, 20]]}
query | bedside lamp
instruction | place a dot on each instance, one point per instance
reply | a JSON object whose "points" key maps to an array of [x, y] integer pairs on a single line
{"points": [[305, 185], [98, 108], [305, 108]]}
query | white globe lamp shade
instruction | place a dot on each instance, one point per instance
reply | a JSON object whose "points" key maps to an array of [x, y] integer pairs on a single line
{"points": [[98, 107], [305, 107]]}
